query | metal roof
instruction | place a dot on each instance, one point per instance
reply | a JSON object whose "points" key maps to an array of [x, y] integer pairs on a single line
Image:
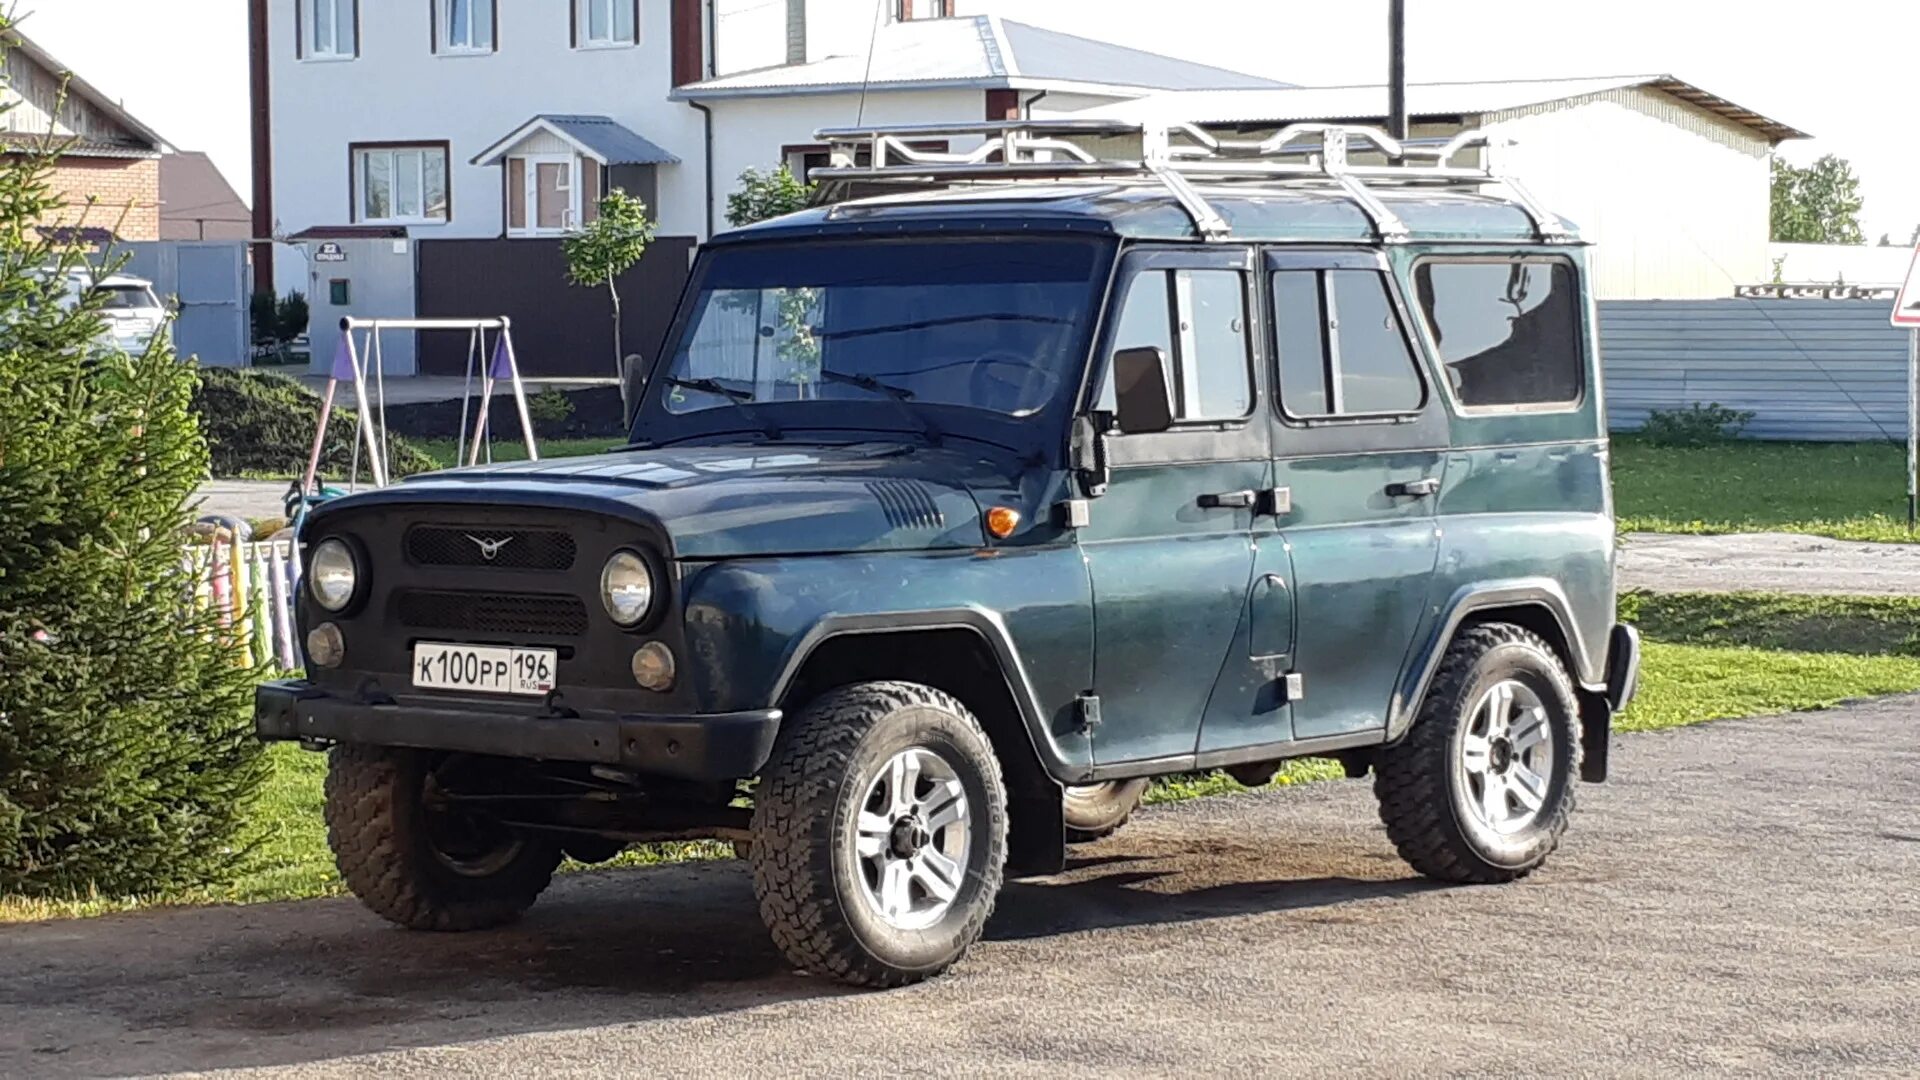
{"points": [[1256, 213], [1455, 100], [599, 137], [978, 51]]}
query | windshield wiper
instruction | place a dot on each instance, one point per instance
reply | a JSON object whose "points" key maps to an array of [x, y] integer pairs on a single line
{"points": [[732, 396], [899, 395]]}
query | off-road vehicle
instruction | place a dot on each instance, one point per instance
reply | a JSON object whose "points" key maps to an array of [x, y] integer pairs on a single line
{"points": [[957, 510]]}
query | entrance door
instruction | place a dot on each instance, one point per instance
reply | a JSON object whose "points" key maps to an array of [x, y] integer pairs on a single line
{"points": [[1359, 444], [1168, 544], [551, 203]]}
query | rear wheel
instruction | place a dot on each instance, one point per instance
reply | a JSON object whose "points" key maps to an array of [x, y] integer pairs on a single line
{"points": [[879, 834], [1094, 811], [416, 857], [1481, 790]]}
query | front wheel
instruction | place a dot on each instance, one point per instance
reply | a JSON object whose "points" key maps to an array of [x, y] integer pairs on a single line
{"points": [[415, 856], [879, 834], [1480, 791]]}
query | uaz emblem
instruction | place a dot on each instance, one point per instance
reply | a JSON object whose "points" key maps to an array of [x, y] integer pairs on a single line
{"points": [[490, 548]]}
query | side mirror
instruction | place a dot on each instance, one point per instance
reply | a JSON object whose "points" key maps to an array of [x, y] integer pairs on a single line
{"points": [[1140, 390], [633, 383]]}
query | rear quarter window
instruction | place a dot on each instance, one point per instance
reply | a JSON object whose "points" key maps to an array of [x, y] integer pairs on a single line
{"points": [[1508, 331]]}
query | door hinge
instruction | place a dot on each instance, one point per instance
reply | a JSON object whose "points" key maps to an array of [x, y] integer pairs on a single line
{"points": [[1087, 706], [1074, 513]]}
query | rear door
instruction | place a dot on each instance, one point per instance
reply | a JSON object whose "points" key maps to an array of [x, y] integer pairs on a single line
{"points": [[1359, 445], [1170, 566]]}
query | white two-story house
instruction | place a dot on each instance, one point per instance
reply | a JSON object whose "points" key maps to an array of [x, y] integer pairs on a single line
{"points": [[440, 148]]}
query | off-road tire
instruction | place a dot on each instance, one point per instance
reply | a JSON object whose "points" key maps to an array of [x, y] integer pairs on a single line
{"points": [[376, 827], [807, 799], [1413, 780], [1096, 811]]}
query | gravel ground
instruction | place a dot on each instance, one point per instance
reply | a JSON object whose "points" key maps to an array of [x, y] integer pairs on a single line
{"points": [[1769, 562], [1741, 899]]}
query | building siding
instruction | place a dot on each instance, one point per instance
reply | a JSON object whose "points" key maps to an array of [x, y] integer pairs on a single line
{"points": [[1807, 369], [1674, 197]]}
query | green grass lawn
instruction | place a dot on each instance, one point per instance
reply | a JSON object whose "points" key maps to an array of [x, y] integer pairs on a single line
{"points": [[442, 450], [1853, 491], [1709, 656]]}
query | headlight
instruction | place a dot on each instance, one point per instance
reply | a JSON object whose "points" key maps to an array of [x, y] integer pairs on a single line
{"points": [[332, 576], [626, 588]]}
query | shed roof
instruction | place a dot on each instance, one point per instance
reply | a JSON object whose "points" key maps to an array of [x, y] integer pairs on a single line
{"points": [[601, 138], [1440, 100], [979, 52], [197, 203]]}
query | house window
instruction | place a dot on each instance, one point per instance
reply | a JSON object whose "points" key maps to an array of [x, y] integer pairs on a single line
{"points": [[329, 29], [463, 26], [400, 185], [908, 10], [601, 24], [551, 194]]}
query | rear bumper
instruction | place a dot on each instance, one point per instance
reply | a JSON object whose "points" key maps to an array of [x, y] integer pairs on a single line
{"points": [[712, 746]]}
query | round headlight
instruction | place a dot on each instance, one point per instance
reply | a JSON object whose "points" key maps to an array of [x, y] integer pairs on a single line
{"points": [[626, 588], [332, 576]]}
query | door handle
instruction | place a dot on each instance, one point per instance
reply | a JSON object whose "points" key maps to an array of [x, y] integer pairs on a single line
{"points": [[1220, 500], [1414, 489]]}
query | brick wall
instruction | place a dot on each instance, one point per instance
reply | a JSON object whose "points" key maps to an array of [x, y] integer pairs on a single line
{"points": [[127, 195]]}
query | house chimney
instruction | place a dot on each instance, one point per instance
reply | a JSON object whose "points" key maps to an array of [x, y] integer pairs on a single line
{"points": [[796, 31]]}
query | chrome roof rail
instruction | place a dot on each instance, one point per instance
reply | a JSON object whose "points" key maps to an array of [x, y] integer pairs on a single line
{"points": [[1174, 155]]}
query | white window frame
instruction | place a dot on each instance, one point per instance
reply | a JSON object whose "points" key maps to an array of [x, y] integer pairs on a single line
{"points": [[444, 17], [361, 155], [310, 25], [530, 183], [583, 24]]}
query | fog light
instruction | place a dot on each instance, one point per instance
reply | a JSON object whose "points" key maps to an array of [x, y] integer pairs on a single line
{"points": [[653, 666], [326, 646]]}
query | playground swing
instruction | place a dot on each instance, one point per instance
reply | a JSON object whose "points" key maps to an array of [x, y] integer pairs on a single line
{"points": [[355, 361]]}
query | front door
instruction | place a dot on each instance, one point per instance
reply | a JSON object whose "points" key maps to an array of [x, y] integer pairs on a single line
{"points": [[1359, 444], [1168, 544]]}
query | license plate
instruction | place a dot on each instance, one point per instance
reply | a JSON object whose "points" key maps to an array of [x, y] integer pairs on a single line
{"points": [[487, 669]]}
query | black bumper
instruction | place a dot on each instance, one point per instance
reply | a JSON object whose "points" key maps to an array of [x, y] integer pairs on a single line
{"points": [[713, 746]]}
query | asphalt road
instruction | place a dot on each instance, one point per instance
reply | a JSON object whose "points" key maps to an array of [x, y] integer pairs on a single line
{"points": [[1745, 897]]}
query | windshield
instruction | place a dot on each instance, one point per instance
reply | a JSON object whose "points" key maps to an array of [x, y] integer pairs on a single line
{"points": [[991, 324]]}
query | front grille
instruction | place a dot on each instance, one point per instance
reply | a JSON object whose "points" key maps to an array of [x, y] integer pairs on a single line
{"points": [[512, 549], [519, 614]]}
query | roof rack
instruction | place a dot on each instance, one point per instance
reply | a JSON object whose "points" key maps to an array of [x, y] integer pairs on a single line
{"points": [[1174, 155]]}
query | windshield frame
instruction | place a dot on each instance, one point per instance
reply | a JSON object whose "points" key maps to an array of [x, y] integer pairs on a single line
{"points": [[859, 419]]}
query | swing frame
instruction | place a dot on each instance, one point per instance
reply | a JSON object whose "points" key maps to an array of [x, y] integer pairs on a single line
{"points": [[370, 426]]}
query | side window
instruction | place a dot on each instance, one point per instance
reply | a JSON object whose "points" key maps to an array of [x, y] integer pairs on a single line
{"points": [[1198, 321], [1508, 332], [1342, 349]]}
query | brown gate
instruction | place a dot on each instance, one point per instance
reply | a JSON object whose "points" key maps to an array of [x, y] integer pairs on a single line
{"points": [[560, 330]]}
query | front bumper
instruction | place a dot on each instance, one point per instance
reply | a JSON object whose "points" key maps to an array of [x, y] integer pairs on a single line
{"points": [[711, 746]]}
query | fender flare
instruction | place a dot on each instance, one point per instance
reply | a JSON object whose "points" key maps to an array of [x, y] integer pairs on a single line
{"points": [[1544, 593], [987, 624]]}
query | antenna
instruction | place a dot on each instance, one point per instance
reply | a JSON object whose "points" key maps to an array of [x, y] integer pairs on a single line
{"points": [[866, 79]]}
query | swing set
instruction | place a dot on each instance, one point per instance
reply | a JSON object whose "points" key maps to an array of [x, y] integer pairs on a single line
{"points": [[355, 362]]}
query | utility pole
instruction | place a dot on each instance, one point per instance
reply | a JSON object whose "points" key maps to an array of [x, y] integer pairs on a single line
{"points": [[1397, 68]]}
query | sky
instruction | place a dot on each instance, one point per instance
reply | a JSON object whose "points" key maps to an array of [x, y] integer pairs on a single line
{"points": [[1852, 80]]}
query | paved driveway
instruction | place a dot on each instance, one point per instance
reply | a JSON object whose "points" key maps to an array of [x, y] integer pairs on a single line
{"points": [[1745, 898]]}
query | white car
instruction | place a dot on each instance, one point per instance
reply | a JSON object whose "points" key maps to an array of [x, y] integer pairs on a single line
{"points": [[130, 313]]}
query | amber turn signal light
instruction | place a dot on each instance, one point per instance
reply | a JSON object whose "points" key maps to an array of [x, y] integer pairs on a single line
{"points": [[1001, 521]]}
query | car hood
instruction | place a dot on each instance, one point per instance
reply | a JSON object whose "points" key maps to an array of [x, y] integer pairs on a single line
{"points": [[762, 500]]}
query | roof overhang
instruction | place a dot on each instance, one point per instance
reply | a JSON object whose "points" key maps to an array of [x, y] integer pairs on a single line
{"points": [[1714, 103], [550, 125], [87, 92], [720, 90]]}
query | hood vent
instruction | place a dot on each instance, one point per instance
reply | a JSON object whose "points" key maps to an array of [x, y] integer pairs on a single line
{"points": [[908, 504]]}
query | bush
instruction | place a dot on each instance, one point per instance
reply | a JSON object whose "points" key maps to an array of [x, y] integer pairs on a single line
{"points": [[261, 424], [263, 315], [550, 406], [127, 759], [1696, 425], [291, 316], [764, 195]]}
